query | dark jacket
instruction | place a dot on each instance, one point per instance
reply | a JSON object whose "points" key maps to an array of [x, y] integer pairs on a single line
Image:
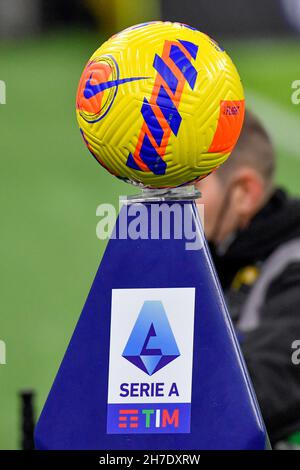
{"points": [[260, 276]]}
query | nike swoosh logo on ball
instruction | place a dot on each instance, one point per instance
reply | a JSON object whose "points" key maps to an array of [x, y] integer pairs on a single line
{"points": [[93, 90]]}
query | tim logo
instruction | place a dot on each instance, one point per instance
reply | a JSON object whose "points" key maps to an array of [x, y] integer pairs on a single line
{"points": [[152, 418], [148, 418], [161, 116], [151, 345]]}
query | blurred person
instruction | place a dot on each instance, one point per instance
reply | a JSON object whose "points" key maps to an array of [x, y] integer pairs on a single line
{"points": [[253, 229]]}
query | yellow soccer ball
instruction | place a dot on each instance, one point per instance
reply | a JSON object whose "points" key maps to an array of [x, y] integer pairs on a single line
{"points": [[160, 105]]}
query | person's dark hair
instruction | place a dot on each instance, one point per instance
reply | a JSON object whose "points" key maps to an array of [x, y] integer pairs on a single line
{"points": [[253, 149]]}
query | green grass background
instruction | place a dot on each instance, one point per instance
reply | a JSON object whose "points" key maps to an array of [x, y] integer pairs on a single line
{"points": [[50, 188]]}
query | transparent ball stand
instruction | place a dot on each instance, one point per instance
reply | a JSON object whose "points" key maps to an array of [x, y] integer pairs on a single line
{"points": [[185, 193]]}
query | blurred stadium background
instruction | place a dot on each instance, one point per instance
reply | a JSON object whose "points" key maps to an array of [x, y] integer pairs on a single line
{"points": [[50, 186]]}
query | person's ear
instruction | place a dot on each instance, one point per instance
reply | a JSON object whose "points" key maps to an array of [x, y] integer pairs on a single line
{"points": [[248, 194]]}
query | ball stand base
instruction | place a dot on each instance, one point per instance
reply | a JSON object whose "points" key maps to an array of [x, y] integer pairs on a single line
{"points": [[154, 362]]}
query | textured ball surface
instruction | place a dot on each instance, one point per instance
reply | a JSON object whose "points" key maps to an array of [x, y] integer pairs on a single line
{"points": [[160, 105]]}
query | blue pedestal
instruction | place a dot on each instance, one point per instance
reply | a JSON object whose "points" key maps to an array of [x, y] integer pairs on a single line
{"points": [[154, 362]]}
